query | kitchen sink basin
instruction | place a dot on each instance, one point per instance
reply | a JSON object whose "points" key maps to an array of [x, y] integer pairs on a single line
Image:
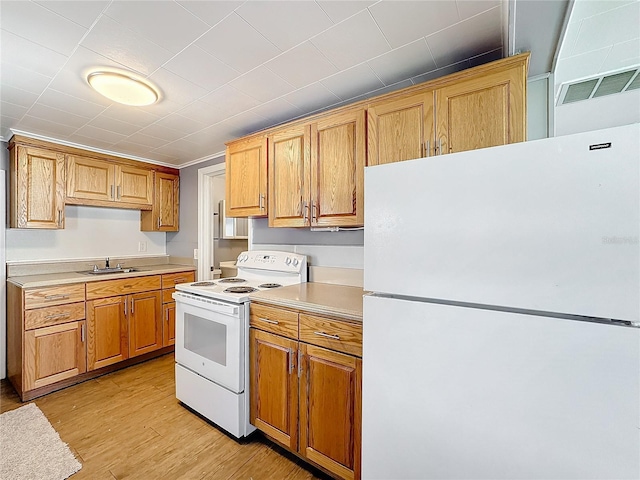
{"points": [[106, 271]]}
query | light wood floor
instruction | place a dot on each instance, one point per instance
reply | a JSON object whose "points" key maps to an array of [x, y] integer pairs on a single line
{"points": [[128, 424]]}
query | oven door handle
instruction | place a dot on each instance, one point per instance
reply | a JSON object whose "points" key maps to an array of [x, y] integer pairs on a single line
{"points": [[206, 303]]}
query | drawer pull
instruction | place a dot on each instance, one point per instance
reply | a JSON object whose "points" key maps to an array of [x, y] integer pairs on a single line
{"points": [[327, 335], [272, 322], [178, 280], [58, 315], [60, 296], [127, 286]]}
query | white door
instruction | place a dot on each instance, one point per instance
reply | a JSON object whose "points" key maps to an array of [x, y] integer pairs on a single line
{"points": [[210, 341]]}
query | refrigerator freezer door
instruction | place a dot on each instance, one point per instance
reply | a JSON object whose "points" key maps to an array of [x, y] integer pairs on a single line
{"points": [[549, 225], [453, 392]]}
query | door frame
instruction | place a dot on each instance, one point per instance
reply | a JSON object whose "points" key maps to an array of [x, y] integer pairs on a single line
{"points": [[205, 218]]}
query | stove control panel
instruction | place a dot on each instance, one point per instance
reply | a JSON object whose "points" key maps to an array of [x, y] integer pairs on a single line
{"points": [[272, 260]]}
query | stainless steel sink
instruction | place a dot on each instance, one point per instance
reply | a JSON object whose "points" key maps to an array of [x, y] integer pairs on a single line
{"points": [[106, 271]]}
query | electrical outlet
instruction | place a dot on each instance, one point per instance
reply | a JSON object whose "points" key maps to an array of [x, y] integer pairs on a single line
{"points": [[142, 246], [195, 253]]}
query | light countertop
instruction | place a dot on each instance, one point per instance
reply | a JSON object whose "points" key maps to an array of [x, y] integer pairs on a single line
{"points": [[52, 279], [321, 298]]}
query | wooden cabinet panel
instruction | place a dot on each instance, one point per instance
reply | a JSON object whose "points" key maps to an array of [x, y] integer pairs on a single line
{"points": [[58, 295], [169, 324], [334, 334], [110, 288], [90, 179], [107, 332], [289, 177], [337, 170], [400, 129], [246, 178], [145, 322], [483, 111], [330, 410], [274, 320], [274, 386], [133, 185], [47, 316], [37, 188], [164, 216], [170, 280], [53, 353]]}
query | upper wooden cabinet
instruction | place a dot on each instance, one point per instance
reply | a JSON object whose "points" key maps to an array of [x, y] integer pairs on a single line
{"points": [[166, 205], [246, 178], [37, 188], [100, 183], [316, 172], [400, 129], [45, 176], [476, 108]]}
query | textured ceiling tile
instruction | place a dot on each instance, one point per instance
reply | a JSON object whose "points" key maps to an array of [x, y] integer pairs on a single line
{"points": [[285, 23], [608, 28], [181, 123], [237, 44], [313, 97], [339, 11], [114, 125], [199, 67], [405, 22], [164, 23], [17, 96], [229, 100], [131, 115], [19, 77], [469, 8], [403, 63], [44, 127], [211, 12], [82, 13], [31, 56], [101, 134], [351, 42], [54, 115], [176, 89], [69, 103], [302, 65], [353, 82], [262, 84]]}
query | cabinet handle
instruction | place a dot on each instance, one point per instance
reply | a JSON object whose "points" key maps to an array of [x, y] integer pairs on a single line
{"points": [[50, 298], [290, 361], [178, 280], [112, 188], [327, 335], [440, 146], [305, 211], [428, 148], [272, 322], [315, 211], [59, 218], [119, 192], [125, 307], [59, 315], [82, 332], [261, 201], [299, 363], [132, 306], [158, 223]]}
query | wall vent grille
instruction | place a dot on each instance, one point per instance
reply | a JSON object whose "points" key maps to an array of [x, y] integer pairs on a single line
{"points": [[606, 84]]}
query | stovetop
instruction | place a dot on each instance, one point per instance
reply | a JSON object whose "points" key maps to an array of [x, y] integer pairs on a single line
{"points": [[257, 270]]}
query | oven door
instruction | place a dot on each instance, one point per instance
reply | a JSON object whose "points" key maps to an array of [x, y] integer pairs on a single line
{"points": [[210, 339]]}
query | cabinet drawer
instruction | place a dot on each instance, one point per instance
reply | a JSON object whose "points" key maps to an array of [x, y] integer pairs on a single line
{"points": [[47, 296], [274, 320], [169, 281], [333, 334], [123, 286], [45, 317]]}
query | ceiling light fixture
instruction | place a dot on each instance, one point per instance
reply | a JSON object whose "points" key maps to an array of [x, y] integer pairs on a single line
{"points": [[123, 88]]}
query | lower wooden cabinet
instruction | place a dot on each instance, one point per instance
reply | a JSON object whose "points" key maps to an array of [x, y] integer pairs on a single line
{"points": [[145, 322], [308, 397], [274, 386], [108, 332], [169, 324], [53, 354]]}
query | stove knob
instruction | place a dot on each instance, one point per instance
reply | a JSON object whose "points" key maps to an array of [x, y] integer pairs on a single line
{"points": [[287, 261], [295, 262]]}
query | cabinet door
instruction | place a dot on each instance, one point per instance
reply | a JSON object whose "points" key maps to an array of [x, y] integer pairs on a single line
{"points": [[37, 188], [274, 386], [480, 112], [400, 129], [289, 177], [337, 170], [145, 322], [167, 201], [330, 410], [89, 179], [134, 185], [246, 178], [53, 354], [107, 332], [169, 324]]}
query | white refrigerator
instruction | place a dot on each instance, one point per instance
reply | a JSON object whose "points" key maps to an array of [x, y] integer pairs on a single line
{"points": [[501, 338]]}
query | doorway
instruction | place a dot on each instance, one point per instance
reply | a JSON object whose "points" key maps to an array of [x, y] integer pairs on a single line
{"points": [[212, 248]]}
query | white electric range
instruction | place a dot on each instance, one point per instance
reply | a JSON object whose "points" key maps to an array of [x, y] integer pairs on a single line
{"points": [[212, 336]]}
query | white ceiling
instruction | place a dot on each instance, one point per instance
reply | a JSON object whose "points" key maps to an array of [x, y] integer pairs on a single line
{"points": [[229, 68], [601, 37]]}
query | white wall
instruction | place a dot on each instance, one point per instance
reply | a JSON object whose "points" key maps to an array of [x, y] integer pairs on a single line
{"points": [[598, 113], [89, 232], [538, 107]]}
